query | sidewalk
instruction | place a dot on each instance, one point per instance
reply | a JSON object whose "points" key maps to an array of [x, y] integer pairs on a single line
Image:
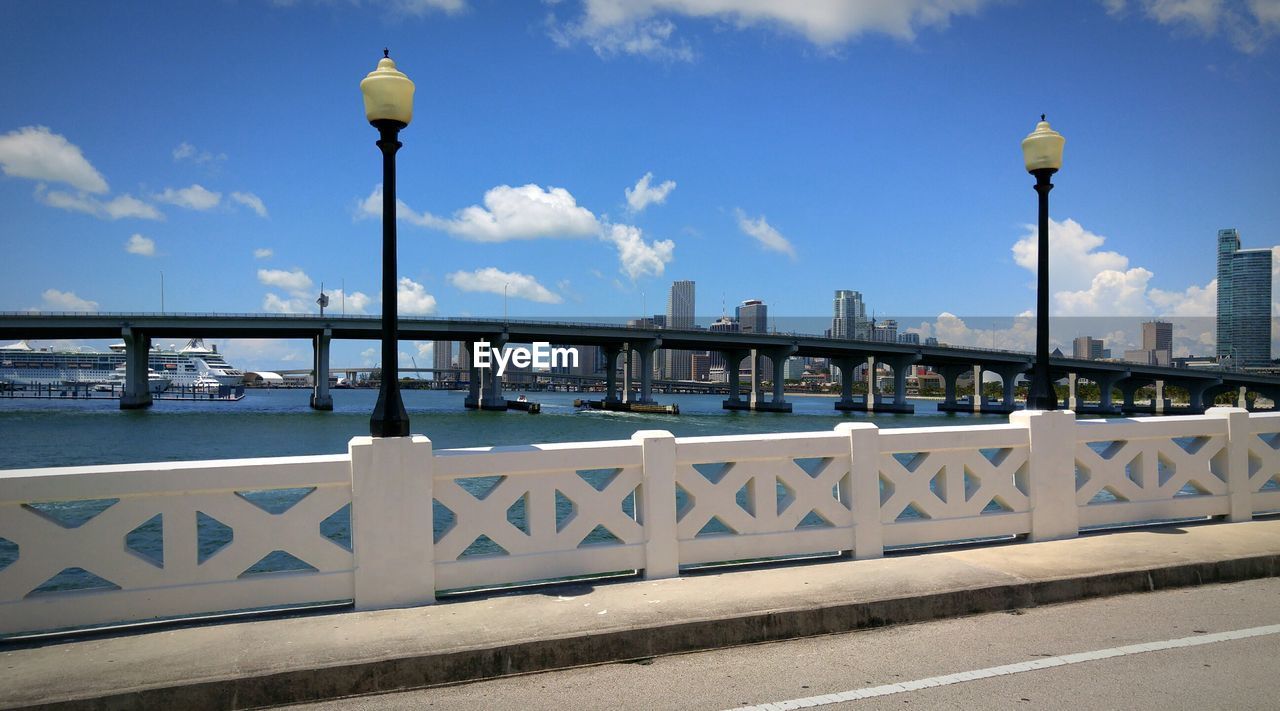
{"points": [[274, 661]]}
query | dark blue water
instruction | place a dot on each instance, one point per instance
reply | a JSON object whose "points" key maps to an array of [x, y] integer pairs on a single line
{"points": [[267, 423]]}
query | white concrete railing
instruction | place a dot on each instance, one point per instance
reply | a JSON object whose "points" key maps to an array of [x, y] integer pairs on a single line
{"points": [[391, 523]]}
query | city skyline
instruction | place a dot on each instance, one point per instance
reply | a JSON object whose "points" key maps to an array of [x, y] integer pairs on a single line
{"points": [[242, 169]]}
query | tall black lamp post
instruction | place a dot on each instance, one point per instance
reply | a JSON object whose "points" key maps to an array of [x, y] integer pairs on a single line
{"points": [[388, 104], [1042, 152]]}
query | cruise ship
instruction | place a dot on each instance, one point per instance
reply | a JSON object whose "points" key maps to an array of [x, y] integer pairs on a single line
{"points": [[189, 366]]}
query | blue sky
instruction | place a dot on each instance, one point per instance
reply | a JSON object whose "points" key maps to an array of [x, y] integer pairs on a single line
{"points": [[792, 148]]}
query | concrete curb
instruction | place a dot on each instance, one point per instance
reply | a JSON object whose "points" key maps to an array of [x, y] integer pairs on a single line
{"points": [[395, 674]]}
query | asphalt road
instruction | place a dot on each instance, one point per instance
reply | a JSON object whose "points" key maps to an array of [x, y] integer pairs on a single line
{"points": [[1211, 672]]}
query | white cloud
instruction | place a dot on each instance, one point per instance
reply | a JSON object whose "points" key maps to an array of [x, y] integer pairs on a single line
{"points": [[1247, 24], [263, 253], [1111, 293], [116, 208], [1194, 301], [265, 353], [644, 195], [186, 151], [1074, 257], [494, 281], [952, 330], [66, 301], [294, 281], [276, 304], [422, 7], [412, 298], [526, 212], [354, 303], [251, 201], [369, 356], [138, 244], [196, 197], [644, 28], [37, 153], [637, 257], [764, 233]]}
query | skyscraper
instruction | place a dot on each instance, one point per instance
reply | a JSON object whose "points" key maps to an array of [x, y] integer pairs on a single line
{"points": [[442, 359], [1244, 302], [849, 317], [724, 324], [677, 365], [753, 316], [1088, 347]]}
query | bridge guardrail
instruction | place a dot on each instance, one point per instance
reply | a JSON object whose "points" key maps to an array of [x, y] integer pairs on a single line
{"points": [[392, 523]]}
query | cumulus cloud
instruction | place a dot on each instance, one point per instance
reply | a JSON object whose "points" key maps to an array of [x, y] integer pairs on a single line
{"points": [[186, 151], [251, 201], [1248, 24], [263, 253], [637, 257], [196, 197], [645, 28], [412, 298], [276, 304], [644, 194], [764, 233], [526, 212], [494, 281], [138, 244], [55, 300], [354, 303], [37, 153], [116, 208], [294, 281]]}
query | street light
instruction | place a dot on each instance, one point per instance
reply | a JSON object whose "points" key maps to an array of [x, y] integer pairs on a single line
{"points": [[1042, 153], [388, 104]]}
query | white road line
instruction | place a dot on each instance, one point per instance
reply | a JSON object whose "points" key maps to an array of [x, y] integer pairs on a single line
{"points": [[1032, 665]]}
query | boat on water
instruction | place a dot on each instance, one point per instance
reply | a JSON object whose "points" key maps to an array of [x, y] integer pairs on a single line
{"points": [[156, 382], [21, 364]]}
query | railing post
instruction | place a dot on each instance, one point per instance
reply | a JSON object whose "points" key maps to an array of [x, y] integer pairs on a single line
{"points": [[392, 527], [1051, 473], [656, 503], [863, 499], [1239, 491]]}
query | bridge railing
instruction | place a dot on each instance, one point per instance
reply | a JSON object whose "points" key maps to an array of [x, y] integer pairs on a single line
{"points": [[392, 523]]}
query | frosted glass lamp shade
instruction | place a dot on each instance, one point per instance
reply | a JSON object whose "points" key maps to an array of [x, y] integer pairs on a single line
{"points": [[1042, 148], [388, 94]]}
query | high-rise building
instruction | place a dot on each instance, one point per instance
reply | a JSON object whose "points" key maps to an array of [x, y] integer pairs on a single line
{"points": [[700, 366], [442, 359], [753, 316], [1244, 302], [909, 338], [849, 317], [885, 331], [676, 365], [1087, 348], [724, 324]]}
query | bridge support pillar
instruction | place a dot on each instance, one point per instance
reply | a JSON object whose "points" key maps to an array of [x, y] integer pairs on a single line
{"points": [[900, 364], [1196, 391], [321, 399], [1009, 385], [778, 400], [1128, 390], [611, 373], [1073, 394], [137, 356], [846, 402], [1106, 381], [755, 377], [484, 386], [732, 365], [646, 351], [1241, 402], [950, 375], [1160, 403], [627, 372], [978, 397]]}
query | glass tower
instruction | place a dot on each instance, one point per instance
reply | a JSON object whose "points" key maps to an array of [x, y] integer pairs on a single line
{"points": [[1244, 302]]}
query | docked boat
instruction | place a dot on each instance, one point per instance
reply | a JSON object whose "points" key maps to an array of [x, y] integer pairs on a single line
{"points": [[156, 383], [24, 365]]}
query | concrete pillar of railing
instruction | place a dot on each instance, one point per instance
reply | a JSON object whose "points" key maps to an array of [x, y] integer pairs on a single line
{"points": [[1051, 472], [863, 498], [656, 504], [1239, 492], [392, 525]]}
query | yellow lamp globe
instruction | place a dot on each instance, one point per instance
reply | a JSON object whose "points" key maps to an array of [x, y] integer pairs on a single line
{"points": [[388, 94], [1042, 148]]}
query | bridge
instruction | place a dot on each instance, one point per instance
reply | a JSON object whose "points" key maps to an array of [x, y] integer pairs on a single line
{"points": [[638, 345]]}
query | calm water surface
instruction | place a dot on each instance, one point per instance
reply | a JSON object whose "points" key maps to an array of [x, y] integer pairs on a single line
{"points": [[269, 423]]}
